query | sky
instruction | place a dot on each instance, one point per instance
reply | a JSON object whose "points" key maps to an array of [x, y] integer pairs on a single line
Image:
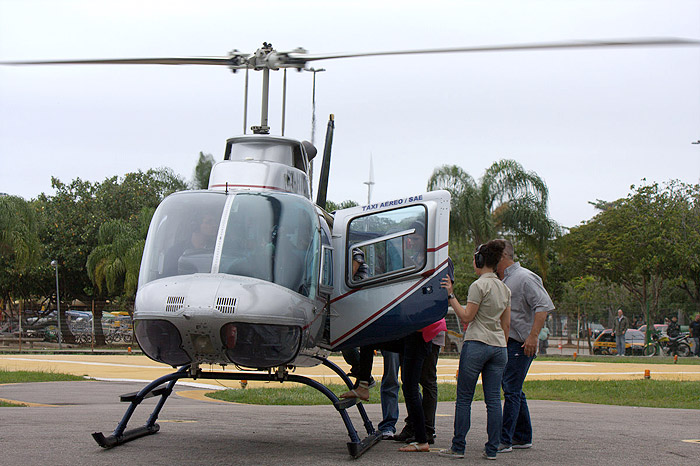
{"points": [[590, 122]]}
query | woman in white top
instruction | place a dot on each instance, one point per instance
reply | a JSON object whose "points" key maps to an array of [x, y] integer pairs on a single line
{"points": [[484, 348]]}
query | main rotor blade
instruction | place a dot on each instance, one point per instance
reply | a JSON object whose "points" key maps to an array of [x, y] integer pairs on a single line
{"points": [[227, 61], [506, 48]]}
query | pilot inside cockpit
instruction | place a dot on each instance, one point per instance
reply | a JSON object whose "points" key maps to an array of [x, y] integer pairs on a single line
{"points": [[204, 235], [194, 255]]}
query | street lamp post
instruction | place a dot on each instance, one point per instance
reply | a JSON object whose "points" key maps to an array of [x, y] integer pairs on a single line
{"points": [[54, 264]]}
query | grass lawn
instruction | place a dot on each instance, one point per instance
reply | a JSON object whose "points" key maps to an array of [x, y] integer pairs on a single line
{"points": [[689, 361], [651, 393], [30, 376]]}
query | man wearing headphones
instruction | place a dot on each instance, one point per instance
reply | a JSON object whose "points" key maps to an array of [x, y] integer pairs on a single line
{"points": [[529, 306]]}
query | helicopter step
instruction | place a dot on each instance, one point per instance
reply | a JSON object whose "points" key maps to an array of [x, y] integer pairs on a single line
{"points": [[163, 387], [129, 397]]}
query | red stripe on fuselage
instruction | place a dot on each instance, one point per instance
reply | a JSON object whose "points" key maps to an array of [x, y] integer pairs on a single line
{"points": [[438, 247]]}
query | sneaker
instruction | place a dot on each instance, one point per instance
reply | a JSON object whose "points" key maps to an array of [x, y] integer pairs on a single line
{"points": [[522, 445], [450, 453], [488, 457], [387, 435], [505, 448]]}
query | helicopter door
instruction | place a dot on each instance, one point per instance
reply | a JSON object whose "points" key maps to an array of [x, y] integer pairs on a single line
{"points": [[390, 257]]}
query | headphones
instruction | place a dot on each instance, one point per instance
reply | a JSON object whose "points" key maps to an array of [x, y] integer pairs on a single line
{"points": [[479, 259]]}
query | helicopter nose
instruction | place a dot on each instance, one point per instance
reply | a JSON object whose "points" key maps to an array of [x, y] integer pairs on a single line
{"points": [[161, 341], [260, 345]]}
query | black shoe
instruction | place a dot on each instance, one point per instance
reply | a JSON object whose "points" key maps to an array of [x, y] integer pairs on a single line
{"points": [[403, 436], [412, 438]]}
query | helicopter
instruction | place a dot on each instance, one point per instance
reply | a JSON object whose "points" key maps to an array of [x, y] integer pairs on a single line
{"points": [[253, 273]]}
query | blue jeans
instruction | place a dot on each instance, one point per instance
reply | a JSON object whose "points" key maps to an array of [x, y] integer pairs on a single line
{"points": [[516, 416], [390, 392], [489, 361], [620, 343]]}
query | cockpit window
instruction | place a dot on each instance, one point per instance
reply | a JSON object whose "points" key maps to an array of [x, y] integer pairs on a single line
{"points": [[182, 236], [273, 237], [392, 242]]}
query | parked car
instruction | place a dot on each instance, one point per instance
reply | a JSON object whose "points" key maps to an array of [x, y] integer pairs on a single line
{"points": [[593, 329], [605, 343], [660, 328]]}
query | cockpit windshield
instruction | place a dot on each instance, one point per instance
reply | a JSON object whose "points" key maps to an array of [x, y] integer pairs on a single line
{"points": [[273, 237], [182, 236]]}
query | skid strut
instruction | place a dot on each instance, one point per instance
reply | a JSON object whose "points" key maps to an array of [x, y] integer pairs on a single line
{"points": [[155, 388], [163, 387]]}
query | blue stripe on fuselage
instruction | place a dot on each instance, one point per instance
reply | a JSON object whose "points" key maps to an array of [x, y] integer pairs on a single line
{"points": [[417, 311]]}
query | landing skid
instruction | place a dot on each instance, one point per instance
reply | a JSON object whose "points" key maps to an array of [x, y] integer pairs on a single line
{"points": [[163, 387]]}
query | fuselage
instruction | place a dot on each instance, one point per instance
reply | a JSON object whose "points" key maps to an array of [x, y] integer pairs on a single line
{"points": [[251, 272]]}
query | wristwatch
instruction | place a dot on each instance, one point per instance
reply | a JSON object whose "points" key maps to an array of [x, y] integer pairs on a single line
{"points": [[451, 296]]}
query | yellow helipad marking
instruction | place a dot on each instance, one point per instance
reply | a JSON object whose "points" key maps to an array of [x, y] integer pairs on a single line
{"points": [[177, 421], [139, 367], [691, 441], [199, 395]]}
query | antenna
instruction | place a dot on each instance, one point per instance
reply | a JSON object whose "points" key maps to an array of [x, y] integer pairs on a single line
{"points": [[697, 142], [313, 126], [370, 182]]}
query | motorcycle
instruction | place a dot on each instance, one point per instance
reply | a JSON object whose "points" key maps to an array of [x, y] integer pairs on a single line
{"points": [[678, 344], [663, 345]]}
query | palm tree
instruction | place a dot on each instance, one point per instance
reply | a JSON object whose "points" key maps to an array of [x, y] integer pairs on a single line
{"points": [[114, 264], [202, 170], [18, 231], [507, 201], [20, 246]]}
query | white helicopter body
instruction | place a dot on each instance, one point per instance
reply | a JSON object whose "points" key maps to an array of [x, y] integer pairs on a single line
{"points": [[273, 287]]}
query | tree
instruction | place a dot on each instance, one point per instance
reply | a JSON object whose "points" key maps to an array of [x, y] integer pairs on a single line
{"points": [[202, 171], [18, 231], [332, 206], [71, 218], [20, 248], [681, 233], [507, 201], [113, 266], [631, 243]]}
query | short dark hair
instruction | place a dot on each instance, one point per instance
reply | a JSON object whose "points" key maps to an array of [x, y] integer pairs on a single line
{"points": [[419, 228], [492, 252]]}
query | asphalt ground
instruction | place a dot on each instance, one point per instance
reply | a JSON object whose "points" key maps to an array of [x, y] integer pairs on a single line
{"points": [[194, 430]]}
